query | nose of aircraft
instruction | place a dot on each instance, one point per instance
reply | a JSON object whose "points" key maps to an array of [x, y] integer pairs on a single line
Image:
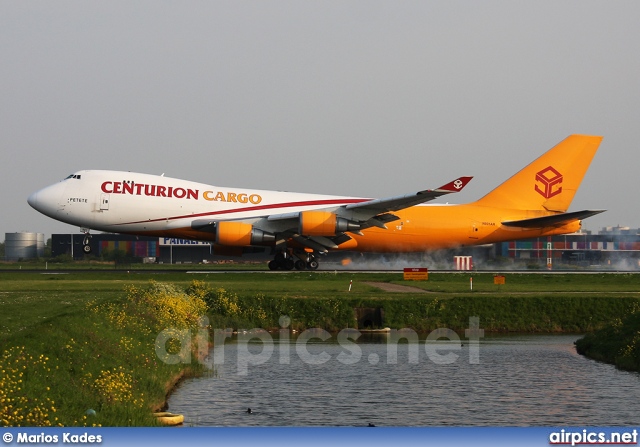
{"points": [[46, 200], [33, 200]]}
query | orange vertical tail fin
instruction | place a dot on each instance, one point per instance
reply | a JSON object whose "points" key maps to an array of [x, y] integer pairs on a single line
{"points": [[550, 182]]}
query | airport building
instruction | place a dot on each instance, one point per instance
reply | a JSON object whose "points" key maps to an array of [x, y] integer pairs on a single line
{"points": [[104, 245], [611, 246], [142, 249]]}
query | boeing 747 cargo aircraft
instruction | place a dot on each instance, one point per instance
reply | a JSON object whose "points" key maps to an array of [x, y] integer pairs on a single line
{"points": [[532, 203]]}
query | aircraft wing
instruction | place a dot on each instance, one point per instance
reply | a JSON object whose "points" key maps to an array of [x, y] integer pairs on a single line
{"points": [[379, 206], [362, 215], [553, 220], [380, 209]]}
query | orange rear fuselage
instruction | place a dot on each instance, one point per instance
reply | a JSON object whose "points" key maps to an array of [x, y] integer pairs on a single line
{"points": [[433, 227]]}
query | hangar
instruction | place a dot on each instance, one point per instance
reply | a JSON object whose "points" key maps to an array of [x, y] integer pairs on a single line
{"points": [[146, 249]]}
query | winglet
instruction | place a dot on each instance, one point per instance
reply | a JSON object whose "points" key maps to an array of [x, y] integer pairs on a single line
{"points": [[455, 185]]}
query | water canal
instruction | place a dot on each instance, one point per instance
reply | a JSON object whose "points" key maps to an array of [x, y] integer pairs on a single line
{"points": [[516, 380]]}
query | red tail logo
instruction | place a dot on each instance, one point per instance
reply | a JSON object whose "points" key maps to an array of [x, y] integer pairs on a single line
{"points": [[548, 181]]}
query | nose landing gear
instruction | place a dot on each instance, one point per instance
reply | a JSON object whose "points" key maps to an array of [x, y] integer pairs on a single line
{"points": [[86, 242]]}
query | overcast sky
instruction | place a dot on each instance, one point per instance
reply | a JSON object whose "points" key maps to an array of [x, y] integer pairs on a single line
{"points": [[363, 98]]}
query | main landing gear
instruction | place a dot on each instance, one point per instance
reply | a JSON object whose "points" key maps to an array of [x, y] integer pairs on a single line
{"points": [[284, 260]]}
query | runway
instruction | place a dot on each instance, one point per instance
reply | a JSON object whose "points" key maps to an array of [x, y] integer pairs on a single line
{"points": [[321, 270]]}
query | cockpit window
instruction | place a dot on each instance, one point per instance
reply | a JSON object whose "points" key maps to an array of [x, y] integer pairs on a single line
{"points": [[76, 176]]}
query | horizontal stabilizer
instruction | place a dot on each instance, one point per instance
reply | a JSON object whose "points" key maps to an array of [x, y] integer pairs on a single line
{"points": [[552, 221]]}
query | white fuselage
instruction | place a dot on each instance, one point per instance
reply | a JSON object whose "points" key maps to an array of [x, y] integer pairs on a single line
{"points": [[124, 202]]}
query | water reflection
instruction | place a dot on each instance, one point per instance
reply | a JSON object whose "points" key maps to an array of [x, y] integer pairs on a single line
{"points": [[520, 380]]}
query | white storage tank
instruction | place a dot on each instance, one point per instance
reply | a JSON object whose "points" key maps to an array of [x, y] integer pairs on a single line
{"points": [[23, 246]]}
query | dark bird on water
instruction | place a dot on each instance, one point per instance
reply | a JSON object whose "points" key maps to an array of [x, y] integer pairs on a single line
{"points": [[249, 411]]}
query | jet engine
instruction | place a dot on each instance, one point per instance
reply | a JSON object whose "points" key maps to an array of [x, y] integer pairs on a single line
{"points": [[324, 223], [239, 234]]}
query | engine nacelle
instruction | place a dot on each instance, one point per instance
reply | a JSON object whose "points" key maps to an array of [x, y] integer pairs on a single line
{"points": [[324, 223], [240, 234]]}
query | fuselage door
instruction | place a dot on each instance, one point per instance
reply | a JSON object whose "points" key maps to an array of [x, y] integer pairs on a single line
{"points": [[104, 202], [474, 230]]}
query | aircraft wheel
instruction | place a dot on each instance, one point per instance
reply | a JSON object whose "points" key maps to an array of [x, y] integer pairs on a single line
{"points": [[288, 264], [300, 265], [313, 265], [86, 248], [273, 265]]}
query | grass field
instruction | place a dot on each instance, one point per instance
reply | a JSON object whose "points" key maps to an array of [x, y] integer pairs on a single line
{"points": [[27, 299], [81, 351], [81, 341]]}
